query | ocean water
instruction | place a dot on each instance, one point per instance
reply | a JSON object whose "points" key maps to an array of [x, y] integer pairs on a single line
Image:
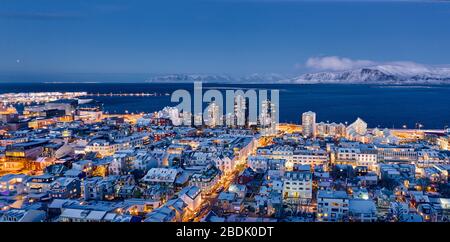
{"points": [[379, 106]]}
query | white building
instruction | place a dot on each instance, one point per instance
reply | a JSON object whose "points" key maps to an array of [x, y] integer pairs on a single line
{"points": [[267, 118], [332, 206], [293, 157], [240, 109], [361, 210], [330, 130], [263, 164], [122, 162], [191, 195], [213, 116], [171, 113], [359, 127], [367, 159], [297, 187], [307, 157], [225, 164], [164, 176], [103, 147]]}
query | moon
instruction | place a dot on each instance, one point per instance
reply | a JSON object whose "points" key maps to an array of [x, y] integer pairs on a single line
{"points": [[18, 60]]}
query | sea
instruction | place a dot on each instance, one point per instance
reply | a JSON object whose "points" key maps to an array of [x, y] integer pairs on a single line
{"points": [[385, 106]]}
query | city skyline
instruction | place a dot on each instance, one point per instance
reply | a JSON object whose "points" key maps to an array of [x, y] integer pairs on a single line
{"points": [[93, 166], [249, 113]]}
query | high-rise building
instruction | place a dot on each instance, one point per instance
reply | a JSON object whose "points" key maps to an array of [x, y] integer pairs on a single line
{"points": [[238, 117], [309, 124], [213, 117], [198, 119], [230, 120], [267, 118], [239, 110]]}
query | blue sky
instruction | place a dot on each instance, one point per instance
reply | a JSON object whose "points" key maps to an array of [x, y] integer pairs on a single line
{"points": [[216, 36]]}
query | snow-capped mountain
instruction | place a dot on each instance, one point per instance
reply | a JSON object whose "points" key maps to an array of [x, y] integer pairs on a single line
{"points": [[394, 73], [404, 73], [220, 78]]}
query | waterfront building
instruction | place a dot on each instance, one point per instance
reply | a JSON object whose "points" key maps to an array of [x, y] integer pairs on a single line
{"points": [[309, 124], [90, 111], [359, 127], [213, 116], [240, 110], [334, 130], [267, 118]]}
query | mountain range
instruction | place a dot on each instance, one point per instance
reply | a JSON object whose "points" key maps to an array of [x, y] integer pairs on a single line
{"points": [[220, 78], [380, 74], [398, 74]]}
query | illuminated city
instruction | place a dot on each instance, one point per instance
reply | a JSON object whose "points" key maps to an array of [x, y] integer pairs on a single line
{"points": [[86, 165], [224, 119]]}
